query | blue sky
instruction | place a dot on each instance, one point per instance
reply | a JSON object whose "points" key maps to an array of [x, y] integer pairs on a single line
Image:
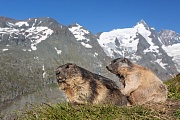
{"points": [[98, 15]]}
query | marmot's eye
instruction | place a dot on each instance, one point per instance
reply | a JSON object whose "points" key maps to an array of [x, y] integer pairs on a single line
{"points": [[67, 66], [114, 61], [57, 73]]}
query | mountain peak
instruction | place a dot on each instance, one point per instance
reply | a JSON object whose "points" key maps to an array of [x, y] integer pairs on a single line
{"points": [[2, 19], [75, 25], [141, 23]]}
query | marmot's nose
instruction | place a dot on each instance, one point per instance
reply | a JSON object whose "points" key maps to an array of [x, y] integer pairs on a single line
{"points": [[107, 67]]}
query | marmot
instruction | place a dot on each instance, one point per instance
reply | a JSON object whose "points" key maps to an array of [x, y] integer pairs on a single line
{"points": [[81, 86], [138, 83]]}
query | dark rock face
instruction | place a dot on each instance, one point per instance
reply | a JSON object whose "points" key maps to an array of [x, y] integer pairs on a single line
{"points": [[169, 37]]}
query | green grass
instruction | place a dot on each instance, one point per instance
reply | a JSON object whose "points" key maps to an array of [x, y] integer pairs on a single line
{"points": [[177, 114], [65, 111], [173, 87]]}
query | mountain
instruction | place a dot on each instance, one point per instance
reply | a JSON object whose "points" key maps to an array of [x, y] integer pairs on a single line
{"points": [[171, 44], [142, 45], [32, 49]]}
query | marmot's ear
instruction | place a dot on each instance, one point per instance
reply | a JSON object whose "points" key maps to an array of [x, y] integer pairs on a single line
{"points": [[68, 65], [128, 62], [72, 65]]}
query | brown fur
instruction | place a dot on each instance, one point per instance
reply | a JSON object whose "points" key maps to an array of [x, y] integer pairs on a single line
{"points": [[81, 86], [138, 82]]}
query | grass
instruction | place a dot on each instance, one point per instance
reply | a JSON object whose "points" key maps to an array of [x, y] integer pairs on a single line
{"points": [[65, 111], [177, 114], [174, 92], [173, 87]]}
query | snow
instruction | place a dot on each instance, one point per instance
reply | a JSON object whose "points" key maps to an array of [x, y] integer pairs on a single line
{"points": [[36, 57], [8, 30], [42, 34], [40, 22], [44, 73], [34, 22], [152, 28], [173, 51], [19, 24], [86, 45], [95, 54], [43, 67], [159, 61], [127, 40], [35, 34], [29, 51], [5, 49], [79, 32], [10, 24], [58, 51], [146, 33], [125, 37]]}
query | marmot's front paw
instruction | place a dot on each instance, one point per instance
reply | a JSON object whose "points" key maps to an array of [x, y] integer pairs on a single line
{"points": [[124, 92]]}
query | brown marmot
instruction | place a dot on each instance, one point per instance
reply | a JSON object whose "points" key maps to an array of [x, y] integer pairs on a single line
{"points": [[138, 83], [82, 86]]}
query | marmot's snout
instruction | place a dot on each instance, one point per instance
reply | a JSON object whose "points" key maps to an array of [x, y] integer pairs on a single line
{"points": [[59, 76], [109, 68], [60, 79]]}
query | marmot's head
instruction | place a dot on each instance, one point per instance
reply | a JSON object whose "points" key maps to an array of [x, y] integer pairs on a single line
{"points": [[119, 66], [65, 72]]}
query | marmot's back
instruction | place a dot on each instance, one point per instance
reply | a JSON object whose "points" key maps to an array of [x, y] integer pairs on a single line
{"points": [[92, 76]]}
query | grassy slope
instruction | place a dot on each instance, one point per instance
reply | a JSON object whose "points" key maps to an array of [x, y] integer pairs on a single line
{"points": [[63, 111]]}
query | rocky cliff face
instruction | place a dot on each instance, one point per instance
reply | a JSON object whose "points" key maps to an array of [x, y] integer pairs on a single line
{"points": [[169, 37]]}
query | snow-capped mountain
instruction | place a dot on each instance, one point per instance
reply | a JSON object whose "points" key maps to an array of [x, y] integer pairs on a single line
{"points": [[171, 44], [142, 45], [169, 37], [87, 40], [123, 41], [80, 34]]}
